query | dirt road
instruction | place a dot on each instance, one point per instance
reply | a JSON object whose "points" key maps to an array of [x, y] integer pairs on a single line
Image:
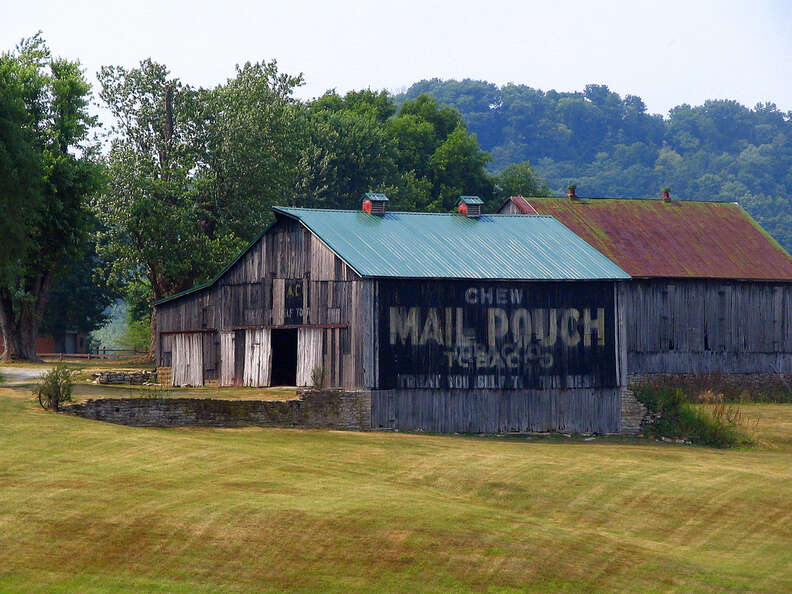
{"points": [[22, 375]]}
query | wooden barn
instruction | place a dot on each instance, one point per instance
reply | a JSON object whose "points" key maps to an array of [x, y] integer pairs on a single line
{"points": [[711, 291], [453, 322]]}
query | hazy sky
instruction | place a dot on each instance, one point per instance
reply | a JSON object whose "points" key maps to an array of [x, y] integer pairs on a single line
{"points": [[667, 52]]}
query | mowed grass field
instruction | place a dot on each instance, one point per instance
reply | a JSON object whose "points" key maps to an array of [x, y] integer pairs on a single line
{"points": [[88, 506]]}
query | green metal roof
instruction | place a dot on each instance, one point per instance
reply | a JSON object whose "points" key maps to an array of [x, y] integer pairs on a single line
{"points": [[375, 197], [470, 200], [423, 245]]}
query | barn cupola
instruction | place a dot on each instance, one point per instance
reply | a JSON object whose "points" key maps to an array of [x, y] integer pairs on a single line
{"points": [[375, 203], [470, 206], [666, 197]]}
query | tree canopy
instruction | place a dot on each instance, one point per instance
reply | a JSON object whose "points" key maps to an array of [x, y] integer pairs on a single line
{"points": [[190, 173], [48, 169], [612, 147]]}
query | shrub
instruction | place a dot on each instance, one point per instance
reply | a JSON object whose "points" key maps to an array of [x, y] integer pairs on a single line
{"points": [[137, 335], [55, 387], [715, 423], [317, 377]]}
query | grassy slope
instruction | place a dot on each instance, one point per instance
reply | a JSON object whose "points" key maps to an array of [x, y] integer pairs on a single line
{"points": [[93, 507]]}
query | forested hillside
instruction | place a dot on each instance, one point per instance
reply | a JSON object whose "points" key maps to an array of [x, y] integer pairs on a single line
{"points": [[610, 146]]}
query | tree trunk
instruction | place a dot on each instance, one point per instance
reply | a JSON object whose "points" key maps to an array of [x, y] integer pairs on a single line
{"points": [[19, 332], [153, 341], [20, 320]]}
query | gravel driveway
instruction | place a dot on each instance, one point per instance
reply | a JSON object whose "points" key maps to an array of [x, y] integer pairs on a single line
{"points": [[22, 375]]}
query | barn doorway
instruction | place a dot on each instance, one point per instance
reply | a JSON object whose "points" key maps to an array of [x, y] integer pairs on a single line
{"points": [[284, 357]]}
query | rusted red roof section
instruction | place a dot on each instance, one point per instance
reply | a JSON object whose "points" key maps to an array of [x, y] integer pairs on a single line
{"points": [[652, 238]]}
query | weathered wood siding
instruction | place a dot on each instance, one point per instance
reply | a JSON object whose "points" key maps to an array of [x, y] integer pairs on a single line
{"points": [[309, 345], [497, 411], [472, 356], [258, 357], [288, 278], [227, 358], [518, 335], [708, 326], [510, 208], [188, 359]]}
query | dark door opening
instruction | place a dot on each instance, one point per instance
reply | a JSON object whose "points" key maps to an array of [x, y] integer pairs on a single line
{"points": [[284, 357], [239, 357]]}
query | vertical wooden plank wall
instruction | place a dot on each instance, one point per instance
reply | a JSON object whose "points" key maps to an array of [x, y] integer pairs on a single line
{"points": [[309, 349], [258, 357], [187, 360], [708, 326], [227, 358], [498, 411], [250, 296]]}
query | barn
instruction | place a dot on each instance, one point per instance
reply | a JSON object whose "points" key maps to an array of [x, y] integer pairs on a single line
{"points": [[453, 322], [711, 291]]}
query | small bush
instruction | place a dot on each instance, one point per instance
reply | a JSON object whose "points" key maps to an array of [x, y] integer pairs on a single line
{"points": [[55, 387], [317, 377], [714, 423]]}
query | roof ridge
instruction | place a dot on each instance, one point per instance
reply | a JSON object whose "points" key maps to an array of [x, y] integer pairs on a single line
{"points": [[404, 212], [632, 198]]}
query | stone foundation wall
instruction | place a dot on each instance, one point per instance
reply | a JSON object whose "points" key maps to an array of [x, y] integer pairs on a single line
{"points": [[763, 387], [137, 378], [326, 409], [633, 413]]}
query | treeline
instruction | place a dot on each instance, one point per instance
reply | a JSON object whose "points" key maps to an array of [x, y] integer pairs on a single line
{"points": [[185, 177], [610, 146]]}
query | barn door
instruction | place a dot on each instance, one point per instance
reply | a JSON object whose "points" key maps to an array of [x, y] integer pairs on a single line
{"points": [[227, 356], [309, 354], [258, 357], [187, 368]]}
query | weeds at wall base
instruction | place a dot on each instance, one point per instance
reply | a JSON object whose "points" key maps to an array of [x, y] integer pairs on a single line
{"points": [[714, 422]]}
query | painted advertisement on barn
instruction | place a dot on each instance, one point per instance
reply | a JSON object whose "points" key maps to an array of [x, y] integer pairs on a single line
{"points": [[293, 301], [496, 335]]}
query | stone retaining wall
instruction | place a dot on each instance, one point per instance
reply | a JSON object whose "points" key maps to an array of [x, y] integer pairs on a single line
{"points": [[770, 387], [137, 378], [633, 413], [326, 409]]}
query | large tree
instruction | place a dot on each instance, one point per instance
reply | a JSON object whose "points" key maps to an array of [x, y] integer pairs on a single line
{"points": [[518, 179], [348, 150], [191, 171], [48, 170]]}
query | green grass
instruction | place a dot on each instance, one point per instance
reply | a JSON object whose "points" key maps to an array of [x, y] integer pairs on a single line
{"points": [[84, 388], [92, 507]]}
